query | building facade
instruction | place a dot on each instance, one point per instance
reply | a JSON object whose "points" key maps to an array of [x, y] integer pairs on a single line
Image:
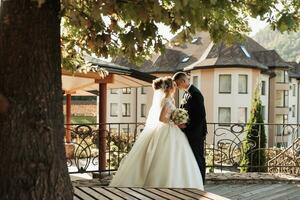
{"points": [[227, 76]]}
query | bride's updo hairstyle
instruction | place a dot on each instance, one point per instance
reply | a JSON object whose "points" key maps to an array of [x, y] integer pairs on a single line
{"points": [[168, 83], [157, 83]]}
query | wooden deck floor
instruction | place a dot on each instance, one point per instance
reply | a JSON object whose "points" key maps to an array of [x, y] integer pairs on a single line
{"points": [[112, 193], [279, 191]]}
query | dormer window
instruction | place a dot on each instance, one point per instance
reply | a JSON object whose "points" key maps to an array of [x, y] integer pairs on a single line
{"points": [[245, 51], [185, 59], [194, 40]]}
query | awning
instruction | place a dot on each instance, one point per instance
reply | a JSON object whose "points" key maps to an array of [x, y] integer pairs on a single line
{"points": [[82, 84]]}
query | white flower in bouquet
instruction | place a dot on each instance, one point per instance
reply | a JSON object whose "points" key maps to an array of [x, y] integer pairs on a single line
{"points": [[180, 116]]}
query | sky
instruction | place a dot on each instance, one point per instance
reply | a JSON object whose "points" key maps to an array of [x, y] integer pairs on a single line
{"points": [[255, 25]]}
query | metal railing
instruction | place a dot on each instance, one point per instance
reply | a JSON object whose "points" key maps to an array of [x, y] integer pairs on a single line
{"points": [[225, 148]]}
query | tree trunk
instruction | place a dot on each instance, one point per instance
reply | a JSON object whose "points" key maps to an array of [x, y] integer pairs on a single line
{"points": [[32, 155]]}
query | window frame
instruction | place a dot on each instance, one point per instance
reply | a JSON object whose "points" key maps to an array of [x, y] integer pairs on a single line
{"points": [[126, 90], [224, 123], [110, 111], [246, 116], [143, 110], [263, 88], [221, 92], [143, 91], [244, 75], [127, 112], [113, 89]]}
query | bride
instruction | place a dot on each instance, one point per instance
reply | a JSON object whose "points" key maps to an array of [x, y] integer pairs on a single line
{"points": [[161, 156]]}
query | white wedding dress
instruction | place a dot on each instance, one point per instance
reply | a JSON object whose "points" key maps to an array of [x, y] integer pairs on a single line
{"points": [[161, 156]]}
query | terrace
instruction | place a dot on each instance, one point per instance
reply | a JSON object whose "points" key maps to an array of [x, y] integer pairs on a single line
{"points": [[223, 156], [94, 151]]}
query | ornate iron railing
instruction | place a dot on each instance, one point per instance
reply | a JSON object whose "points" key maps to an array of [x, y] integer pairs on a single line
{"points": [[224, 150]]}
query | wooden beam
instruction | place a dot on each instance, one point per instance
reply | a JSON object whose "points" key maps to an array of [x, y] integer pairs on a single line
{"points": [[102, 125], [69, 92], [93, 75], [108, 79], [68, 118]]}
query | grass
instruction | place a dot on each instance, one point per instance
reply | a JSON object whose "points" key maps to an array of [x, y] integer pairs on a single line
{"points": [[83, 119]]}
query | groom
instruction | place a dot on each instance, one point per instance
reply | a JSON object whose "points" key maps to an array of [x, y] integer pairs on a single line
{"points": [[196, 128]]}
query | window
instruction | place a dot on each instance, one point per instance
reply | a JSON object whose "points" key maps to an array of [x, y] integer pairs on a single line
{"points": [[224, 116], [263, 87], [293, 111], [243, 84], [281, 76], [282, 97], [114, 110], [143, 90], [294, 90], [242, 115], [126, 90], [126, 110], [114, 91], [280, 120], [285, 119], [263, 112], [245, 51], [196, 81], [225, 83], [194, 40], [185, 59], [143, 110]]}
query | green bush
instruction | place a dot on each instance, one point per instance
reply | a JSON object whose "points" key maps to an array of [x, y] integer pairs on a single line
{"points": [[253, 151]]}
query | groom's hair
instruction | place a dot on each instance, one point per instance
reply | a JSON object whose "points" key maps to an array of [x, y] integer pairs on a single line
{"points": [[180, 76]]}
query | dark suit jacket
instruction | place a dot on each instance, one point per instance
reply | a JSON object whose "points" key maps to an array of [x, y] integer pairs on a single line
{"points": [[194, 104]]}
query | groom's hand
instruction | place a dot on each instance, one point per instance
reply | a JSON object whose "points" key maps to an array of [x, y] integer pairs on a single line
{"points": [[181, 125]]}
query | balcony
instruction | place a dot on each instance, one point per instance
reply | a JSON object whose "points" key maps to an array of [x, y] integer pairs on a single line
{"points": [[224, 147]]}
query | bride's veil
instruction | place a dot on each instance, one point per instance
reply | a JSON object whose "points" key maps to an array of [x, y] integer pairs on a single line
{"points": [[154, 112]]}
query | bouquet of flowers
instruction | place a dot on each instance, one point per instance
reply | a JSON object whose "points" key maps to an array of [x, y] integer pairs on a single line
{"points": [[180, 116]]}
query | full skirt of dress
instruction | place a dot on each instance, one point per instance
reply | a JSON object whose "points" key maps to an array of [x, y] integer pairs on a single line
{"points": [[161, 157]]}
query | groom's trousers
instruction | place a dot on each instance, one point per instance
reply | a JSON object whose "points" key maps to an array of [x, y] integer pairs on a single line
{"points": [[198, 150]]}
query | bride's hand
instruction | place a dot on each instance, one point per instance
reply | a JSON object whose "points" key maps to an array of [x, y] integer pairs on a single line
{"points": [[181, 125]]}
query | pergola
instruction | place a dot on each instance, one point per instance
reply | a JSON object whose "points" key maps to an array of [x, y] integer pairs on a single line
{"points": [[94, 83]]}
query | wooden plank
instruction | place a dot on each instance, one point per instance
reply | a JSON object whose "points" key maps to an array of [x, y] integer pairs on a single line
{"points": [[190, 194], [237, 190], [283, 194], [226, 188], [133, 193], [161, 193], [267, 191], [96, 194], [144, 191], [176, 194], [118, 192], [207, 194], [262, 188], [101, 191], [294, 198], [82, 194], [75, 197]]}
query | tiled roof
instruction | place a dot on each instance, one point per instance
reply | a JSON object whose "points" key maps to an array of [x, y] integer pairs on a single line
{"points": [[271, 58], [294, 72], [203, 53]]}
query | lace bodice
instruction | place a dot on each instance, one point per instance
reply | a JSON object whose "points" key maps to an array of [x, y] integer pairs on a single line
{"points": [[168, 106]]}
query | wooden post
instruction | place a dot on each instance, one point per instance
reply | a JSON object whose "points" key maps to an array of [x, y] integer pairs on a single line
{"points": [[68, 118], [102, 125]]}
